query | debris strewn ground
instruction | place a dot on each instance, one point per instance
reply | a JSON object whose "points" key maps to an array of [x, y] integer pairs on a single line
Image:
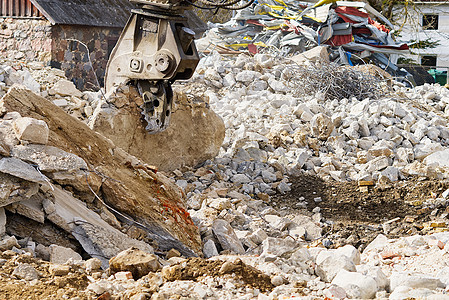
{"points": [[348, 33], [321, 188]]}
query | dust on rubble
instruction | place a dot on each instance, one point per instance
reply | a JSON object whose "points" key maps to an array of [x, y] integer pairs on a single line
{"points": [[195, 268], [357, 217], [47, 287]]}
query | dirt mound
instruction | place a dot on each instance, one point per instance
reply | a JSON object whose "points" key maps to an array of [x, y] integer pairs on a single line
{"points": [[195, 268], [47, 287]]}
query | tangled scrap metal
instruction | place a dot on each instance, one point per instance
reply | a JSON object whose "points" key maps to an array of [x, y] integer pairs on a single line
{"points": [[334, 81]]}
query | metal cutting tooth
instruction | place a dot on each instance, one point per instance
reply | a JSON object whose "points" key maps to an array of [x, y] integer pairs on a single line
{"points": [[156, 110]]}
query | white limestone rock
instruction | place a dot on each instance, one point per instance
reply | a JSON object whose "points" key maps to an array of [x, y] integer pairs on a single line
{"points": [[327, 267], [414, 280], [321, 126], [227, 237], [209, 249], [31, 130], [365, 286], [278, 247], [65, 88], [26, 272], [60, 255], [439, 158]]}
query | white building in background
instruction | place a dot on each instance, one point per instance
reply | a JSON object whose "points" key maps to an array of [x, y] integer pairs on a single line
{"points": [[427, 20]]}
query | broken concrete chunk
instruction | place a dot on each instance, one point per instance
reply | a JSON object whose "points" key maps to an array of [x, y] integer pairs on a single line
{"points": [[313, 231], [414, 280], [210, 249], [4, 148], [101, 287], [103, 243], [48, 206], [65, 88], [123, 190], [2, 222], [20, 169], [42, 252], [258, 236], [60, 255], [13, 115], [277, 222], [31, 130], [361, 286], [317, 54], [136, 261], [173, 253], [123, 276], [329, 267], [13, 189], [195, 134], [92, 264], [96, 236], [321, 126], [30, 208], [49, 158], [59, 270], [25, 271], [439, 158], [278, 247], [8, 243], [227, 237]]}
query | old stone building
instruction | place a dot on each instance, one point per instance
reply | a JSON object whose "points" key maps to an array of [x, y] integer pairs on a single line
{"points": [[63, 34]]}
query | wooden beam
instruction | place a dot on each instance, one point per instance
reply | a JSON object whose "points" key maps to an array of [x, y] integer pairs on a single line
{"points": [[22, 8], [35, 11], [29, 9], [16, 8], [10, 8]]}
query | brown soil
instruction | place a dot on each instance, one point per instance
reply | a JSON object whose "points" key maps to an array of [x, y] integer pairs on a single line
{"points": [[195, 268], [357, 216], [48, 287]]}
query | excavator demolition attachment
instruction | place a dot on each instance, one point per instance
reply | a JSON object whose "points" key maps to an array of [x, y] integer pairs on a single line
{"points": [[155, 48]]}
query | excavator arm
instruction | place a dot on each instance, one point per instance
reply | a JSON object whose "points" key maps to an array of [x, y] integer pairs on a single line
{"points": [[155, 48]]}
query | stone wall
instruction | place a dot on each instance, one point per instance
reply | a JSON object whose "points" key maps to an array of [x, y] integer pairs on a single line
{"points": [[72, 56], [25, 39], [37, 40]]}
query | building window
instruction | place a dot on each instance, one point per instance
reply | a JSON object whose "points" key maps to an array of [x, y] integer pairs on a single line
{"points": [[430, 22], [429, 60]]}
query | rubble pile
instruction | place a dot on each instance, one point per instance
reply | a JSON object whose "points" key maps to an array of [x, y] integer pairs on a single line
{"points": [[53, 168], [408, 267], [83, 219], [49, 83], [196, 132], [274, 131], [353, 32]]}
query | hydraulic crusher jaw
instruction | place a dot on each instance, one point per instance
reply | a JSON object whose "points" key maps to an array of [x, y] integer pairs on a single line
{"points": [[155, 48]]}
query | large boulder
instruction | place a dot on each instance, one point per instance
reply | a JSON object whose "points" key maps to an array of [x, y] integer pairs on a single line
{"points": [[195, 133], [126, 184]]}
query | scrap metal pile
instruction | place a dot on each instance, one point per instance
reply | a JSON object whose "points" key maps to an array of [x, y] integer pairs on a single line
{"points": [[354, 32]]}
